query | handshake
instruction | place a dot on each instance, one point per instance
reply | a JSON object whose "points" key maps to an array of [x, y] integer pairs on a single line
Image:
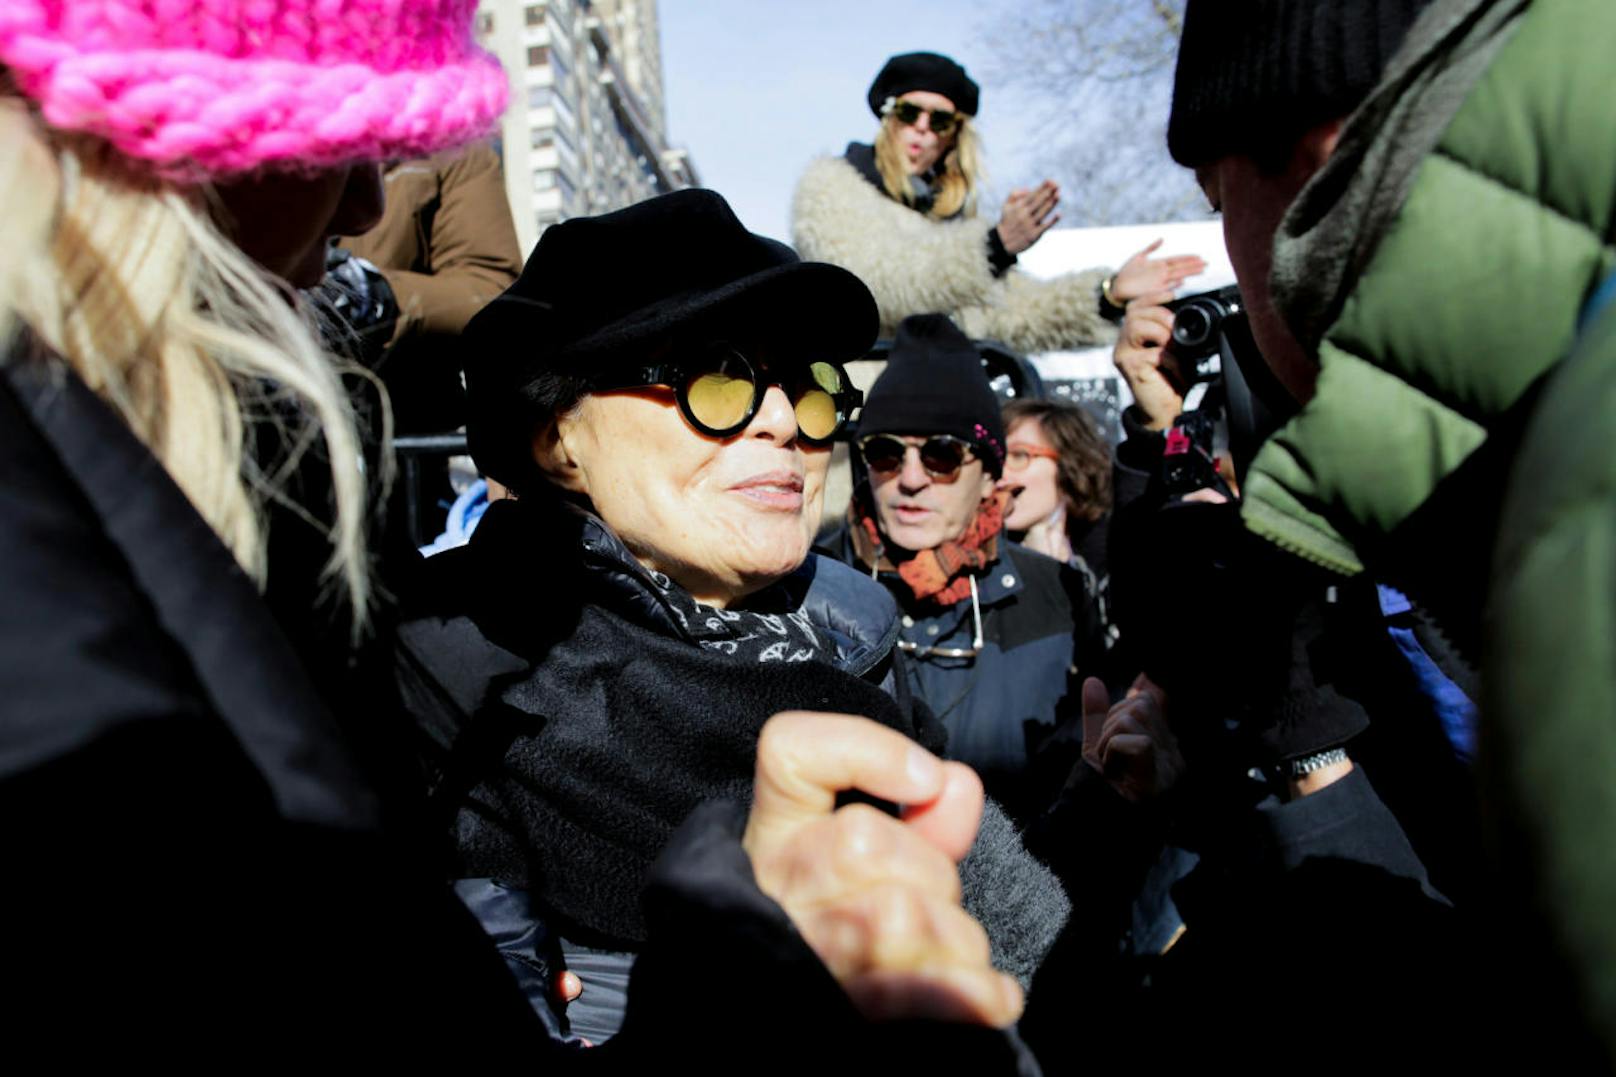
{"points": [[877, 897]]}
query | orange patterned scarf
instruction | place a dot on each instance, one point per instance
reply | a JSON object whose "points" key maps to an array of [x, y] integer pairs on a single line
{"points": [[940, 575]]}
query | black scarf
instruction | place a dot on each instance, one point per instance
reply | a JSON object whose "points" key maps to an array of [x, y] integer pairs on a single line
{"points": [[744, 635], [861, 156], [625, 723]]}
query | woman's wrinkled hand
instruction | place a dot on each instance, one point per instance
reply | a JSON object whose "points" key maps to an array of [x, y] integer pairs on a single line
{"points": [[1130, 743], [1143, 275], [877, 898], [1028, 215], [1146, 329]]}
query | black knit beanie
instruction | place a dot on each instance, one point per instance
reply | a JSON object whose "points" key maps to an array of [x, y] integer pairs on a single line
{"points": [[928, 71], [934, 384], [1254, 74]]}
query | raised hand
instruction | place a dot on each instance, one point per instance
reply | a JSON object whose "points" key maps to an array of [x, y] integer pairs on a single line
{"points": [[1143, 275], [1028, 215]]}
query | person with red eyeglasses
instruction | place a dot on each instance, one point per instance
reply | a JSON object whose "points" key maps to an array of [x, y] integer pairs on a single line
{"points": [[901, 213]]}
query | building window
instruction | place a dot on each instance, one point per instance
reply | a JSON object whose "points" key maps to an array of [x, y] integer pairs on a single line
{"points": [[545, 56], [554, 136], [485, 23], [538, 96], [544, 179], [534, 14]]}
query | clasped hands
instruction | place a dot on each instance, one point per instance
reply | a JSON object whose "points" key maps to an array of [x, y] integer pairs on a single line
{"points": [[878, 898]]}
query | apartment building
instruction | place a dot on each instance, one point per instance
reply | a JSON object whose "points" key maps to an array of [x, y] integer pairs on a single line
{"points": [[586, 130]]}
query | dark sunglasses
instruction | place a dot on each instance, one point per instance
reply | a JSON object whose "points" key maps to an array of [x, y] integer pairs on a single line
{"points": [[908, 113], [941, 455], [719, 390]]}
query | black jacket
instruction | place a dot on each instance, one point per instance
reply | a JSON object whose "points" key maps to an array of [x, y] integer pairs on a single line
{"points": [[198, 870], [1041, 637], [581, 735]]}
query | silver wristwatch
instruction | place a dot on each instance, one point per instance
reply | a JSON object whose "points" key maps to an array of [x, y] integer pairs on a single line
{"points": [[1297, 768]]}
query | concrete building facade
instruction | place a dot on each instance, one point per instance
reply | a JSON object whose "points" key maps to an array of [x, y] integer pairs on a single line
{"points": [[586, 130]]}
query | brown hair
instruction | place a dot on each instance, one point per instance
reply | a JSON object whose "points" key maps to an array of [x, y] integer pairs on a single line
{"points": [[1083, 471]]}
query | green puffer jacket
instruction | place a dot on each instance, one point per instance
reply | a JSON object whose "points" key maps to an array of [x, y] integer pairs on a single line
{"points": [[1439, 264]]}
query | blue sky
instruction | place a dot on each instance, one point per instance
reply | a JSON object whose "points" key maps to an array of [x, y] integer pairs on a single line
{"points": [[757, 88]]}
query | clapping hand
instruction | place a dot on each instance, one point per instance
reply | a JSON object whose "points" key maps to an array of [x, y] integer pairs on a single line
{"points": [[1028, 215]]}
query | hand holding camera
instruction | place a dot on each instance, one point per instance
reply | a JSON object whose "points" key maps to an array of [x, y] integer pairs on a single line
{"points": [[1140, 355]]}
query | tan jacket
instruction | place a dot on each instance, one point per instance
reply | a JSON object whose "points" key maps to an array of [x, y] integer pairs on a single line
{"points": [[446, 243]]}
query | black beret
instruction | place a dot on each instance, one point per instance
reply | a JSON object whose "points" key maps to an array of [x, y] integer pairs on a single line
{"points": [[924, 71]]}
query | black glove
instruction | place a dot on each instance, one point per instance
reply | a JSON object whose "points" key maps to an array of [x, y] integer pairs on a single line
{"points": [[356, 308], [1249, 643]]}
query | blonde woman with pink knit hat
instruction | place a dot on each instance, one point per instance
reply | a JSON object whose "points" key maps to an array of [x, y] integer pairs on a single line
{"points": [[212, 839]]}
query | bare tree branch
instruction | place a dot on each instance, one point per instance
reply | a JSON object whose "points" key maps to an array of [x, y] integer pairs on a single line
{"points": [[1098, 75]]}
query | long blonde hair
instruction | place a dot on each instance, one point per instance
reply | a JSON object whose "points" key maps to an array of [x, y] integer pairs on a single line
{"points": [[961, 169], [127, 279]]}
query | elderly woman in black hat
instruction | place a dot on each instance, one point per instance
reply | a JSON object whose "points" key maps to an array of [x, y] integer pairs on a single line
{"points": [[658, 390], [902, 214]]}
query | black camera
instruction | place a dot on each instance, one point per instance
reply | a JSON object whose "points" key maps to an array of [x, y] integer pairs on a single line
{"points": [[1198, 331]]}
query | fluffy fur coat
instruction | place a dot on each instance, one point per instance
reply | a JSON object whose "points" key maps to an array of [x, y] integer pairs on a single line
{"points": [[917, 265]]}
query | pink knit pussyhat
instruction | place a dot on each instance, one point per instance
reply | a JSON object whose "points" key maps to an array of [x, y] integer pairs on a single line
{"points": [[210, 88]]}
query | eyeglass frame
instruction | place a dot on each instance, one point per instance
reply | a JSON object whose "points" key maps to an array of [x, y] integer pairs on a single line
{"points": [[1033, 452], [968, 453], [977, 640], [676, 375], [954, 119]]}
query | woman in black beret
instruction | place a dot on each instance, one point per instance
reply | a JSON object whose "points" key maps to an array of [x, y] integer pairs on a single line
{"points": [[901, 213], [658, 389]]}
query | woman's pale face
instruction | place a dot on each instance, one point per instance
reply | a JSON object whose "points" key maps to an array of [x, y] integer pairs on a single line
{"points": [[922, 147], [722, 518], [1036, 486]]}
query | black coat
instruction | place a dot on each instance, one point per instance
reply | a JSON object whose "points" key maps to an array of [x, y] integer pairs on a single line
{"points": [[1041, 637], [193, 854], [196, 866], [574, 719]]}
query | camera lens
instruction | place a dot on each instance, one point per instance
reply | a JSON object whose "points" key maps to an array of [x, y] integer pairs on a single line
{"points": [[1193, 327]]}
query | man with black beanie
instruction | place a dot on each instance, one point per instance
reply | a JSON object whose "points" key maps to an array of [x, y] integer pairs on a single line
{"points": [[996, 636]]}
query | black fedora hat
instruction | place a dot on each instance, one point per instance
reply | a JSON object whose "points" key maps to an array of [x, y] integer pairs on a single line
{"points": [[599, 292]]}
